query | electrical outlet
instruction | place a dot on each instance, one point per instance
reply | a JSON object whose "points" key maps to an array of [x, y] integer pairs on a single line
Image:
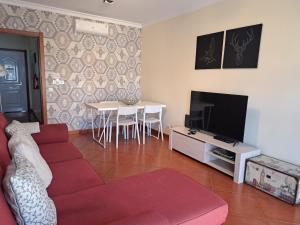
{"points": [[58, 82]]}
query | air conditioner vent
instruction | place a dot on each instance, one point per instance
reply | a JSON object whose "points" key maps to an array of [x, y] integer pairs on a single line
{"points": [[85, 26]]}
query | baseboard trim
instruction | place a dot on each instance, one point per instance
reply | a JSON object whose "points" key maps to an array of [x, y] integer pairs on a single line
{"points": [[73, 132]]}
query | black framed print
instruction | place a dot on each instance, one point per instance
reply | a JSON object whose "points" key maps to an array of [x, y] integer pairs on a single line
{"points": [[209, 51], [242, 47]]}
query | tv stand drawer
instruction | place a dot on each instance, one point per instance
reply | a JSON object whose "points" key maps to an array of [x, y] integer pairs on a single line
{"points": [[188, 146]]}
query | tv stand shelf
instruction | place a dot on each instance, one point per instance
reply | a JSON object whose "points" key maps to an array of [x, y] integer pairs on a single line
{"points": [[200, 145]]}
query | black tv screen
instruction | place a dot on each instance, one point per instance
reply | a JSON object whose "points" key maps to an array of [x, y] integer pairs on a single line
{"points": [[220, 114]]}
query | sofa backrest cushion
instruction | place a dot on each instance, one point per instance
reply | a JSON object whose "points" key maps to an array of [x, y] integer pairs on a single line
{"points": [[4, 154], [6, 215], [52, 133], [3, 121]]}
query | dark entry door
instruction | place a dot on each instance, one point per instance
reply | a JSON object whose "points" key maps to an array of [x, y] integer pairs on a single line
{"points": [[13, 81]]}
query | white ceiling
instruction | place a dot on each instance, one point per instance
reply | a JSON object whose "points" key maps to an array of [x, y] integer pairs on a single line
{"points": [[144, 12]]}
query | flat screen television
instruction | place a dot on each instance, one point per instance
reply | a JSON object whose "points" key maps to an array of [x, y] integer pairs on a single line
{"points": [[224, 115]]}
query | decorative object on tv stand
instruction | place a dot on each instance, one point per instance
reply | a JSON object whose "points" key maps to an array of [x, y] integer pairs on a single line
{"points": [[209, 51], [242, 47]]}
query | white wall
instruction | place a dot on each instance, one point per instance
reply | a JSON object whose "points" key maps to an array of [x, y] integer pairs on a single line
{"points": [[273, 116]]}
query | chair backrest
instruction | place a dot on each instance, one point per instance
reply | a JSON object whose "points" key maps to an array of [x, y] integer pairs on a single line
{"points": [[127, 110], [153, 109]]}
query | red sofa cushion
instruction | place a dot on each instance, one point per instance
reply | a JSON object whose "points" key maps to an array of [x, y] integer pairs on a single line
{"points": [[175, 196], [165, 191], [59, 152], [52, 133], [72, 176], [146, 218], [95, 206]]}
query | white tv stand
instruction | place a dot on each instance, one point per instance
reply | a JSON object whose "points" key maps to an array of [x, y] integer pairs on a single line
{"points": [[200, 145]]}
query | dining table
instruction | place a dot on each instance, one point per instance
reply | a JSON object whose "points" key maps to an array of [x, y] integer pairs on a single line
{"points": [[105, 110]]}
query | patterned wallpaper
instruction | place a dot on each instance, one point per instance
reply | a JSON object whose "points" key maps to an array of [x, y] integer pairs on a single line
{"points": [[93, 67]]}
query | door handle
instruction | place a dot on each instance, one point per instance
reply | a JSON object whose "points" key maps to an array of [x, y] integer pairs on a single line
{"points": [[14, 88]]}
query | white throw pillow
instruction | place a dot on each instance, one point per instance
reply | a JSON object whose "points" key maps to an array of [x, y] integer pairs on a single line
{"points": [[27, 195], [32, 127], [16, 126], [21, 138], [24, 145]]}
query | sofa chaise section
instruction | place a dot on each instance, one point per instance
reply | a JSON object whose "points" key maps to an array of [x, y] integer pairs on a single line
{"points": [[176, 197], [160, 197]]}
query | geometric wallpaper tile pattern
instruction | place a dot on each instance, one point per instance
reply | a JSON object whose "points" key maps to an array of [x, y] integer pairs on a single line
{"points": [[93, 67]]}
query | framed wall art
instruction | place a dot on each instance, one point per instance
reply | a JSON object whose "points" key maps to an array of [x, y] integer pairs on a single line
{"points": [[242, 47], [209, 51]]}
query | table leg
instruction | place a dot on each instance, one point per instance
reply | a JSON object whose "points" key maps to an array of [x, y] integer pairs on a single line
{"points": [[102, 139], [92, 118]]}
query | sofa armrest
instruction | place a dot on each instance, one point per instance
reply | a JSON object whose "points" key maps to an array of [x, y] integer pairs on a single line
{"points": [[51, 133], [145, 218]]}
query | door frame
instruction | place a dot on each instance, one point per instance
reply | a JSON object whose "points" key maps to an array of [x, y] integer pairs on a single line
{"points": [[40, 38]]}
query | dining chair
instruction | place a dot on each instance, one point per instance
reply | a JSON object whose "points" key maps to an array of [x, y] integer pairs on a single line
{"points": [[127, 116], [152, 115]]}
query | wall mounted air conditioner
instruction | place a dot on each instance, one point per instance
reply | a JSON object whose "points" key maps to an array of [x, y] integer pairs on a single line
{"points": [[85, 26]]}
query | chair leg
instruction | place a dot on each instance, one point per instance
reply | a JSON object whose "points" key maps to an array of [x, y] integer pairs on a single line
{"points": [[117, 136], [161, 131], [124, 131], [137, 132], [107, 132], [110, 131], [127, 132], [133, 134], [99, 125], [144, 131], [148, 129]]}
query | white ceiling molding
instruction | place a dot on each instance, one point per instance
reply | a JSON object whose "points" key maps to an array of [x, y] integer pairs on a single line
{"points": [[41, 7]]}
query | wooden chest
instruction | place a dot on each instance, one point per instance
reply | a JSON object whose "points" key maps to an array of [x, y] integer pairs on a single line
{"points": [[275, 177]]}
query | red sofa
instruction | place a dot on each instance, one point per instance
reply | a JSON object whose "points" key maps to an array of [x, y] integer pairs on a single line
{"points": [[81, 197]]}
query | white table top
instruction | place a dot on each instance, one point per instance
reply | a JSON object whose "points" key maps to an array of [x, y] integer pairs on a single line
{"points": [[108, 106]]}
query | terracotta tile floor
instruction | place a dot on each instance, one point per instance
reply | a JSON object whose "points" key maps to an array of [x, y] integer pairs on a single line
{"points": [[247, 206]]}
